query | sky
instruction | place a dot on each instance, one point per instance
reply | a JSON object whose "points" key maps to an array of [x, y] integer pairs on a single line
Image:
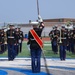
{"points": [[24, 10]]}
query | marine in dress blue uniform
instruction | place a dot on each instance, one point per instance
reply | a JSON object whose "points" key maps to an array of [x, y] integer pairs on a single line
{"points": [[72, 40], [54, 34], [69, 40], [2, 41], [21, 37], [35, 49], [11, 42], [63, 44], [51, 37], [16, 41]]}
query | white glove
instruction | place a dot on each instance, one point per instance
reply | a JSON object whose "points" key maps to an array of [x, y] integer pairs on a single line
{"points": [[28, 46], [40, 19]]}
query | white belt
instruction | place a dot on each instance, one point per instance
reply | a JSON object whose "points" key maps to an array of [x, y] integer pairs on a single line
{"points": [[62, 38], [10, 37], [32, 39]]}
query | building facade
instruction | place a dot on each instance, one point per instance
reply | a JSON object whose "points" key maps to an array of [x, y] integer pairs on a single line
{"points": [[49, 23]]}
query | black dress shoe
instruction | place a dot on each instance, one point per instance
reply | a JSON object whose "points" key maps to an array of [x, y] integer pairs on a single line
{"points": [[10, 59], [35, 71]]}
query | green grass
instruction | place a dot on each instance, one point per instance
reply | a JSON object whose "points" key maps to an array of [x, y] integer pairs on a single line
{"points": [[47, 50]]}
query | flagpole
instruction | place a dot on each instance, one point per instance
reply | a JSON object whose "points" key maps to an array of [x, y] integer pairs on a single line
{"points": [[38, 7], [47, 70]]}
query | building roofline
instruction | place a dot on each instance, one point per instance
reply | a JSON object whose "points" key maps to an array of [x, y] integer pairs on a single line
{"points": [[58, 18]]}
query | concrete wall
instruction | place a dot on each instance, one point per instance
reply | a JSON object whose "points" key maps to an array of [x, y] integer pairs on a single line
{"points": [[45, 32]]}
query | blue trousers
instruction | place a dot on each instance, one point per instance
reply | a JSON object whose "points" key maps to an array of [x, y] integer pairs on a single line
{"points": [[16, 48], [20, 44], [11, 52], [62, 52], [2, 48], [35, 58], [54, 46], [71, 46]]}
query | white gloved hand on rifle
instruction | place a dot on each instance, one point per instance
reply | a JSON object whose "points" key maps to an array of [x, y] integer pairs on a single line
{"points": [[40, 18], [28, 46]]}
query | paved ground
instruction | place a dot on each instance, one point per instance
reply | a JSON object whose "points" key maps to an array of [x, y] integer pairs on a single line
{"points": [[22, 66]]}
